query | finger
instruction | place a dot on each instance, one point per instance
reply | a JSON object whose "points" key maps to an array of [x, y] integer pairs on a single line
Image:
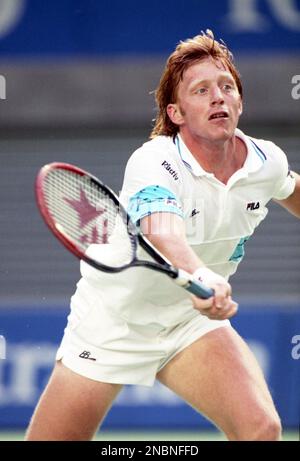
{"points": [[202, 303], [227, 313], [232, 311], [222, 292]]}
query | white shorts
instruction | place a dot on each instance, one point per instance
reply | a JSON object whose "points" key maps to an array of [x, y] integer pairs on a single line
{"points": [[100, 345]]}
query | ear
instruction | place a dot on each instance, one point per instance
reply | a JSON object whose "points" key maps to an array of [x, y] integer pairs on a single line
{"points": [[175, 114]]}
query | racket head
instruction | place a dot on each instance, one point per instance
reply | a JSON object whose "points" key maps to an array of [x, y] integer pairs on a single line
{"points": [[86, 216]]}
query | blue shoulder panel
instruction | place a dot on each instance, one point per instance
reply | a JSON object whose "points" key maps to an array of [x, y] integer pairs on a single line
{"points": [[153, 199]]}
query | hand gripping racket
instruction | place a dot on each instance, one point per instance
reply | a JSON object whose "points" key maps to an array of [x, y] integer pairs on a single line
{"points": [[87, 217]]}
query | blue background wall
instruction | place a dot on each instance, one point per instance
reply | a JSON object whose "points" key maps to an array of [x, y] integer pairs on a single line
{"points": [[107, 27], [32, 336], [95, 62]]}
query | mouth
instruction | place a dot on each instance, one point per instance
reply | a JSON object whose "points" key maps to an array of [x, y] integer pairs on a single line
{"points": [[219, 115]]}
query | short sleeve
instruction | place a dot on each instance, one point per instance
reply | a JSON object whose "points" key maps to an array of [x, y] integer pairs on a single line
{"points": [[286, 182], [153, 199], [153, 170]]}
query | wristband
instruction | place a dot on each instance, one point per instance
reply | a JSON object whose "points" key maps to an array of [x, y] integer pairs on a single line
{"points": [[207, 276]]}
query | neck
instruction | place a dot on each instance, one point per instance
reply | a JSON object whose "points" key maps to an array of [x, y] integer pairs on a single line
{"points": [[222, 158]]}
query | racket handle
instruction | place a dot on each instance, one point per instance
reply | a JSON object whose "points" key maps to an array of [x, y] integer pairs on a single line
{"points": [[200, 290], [197, 288]]}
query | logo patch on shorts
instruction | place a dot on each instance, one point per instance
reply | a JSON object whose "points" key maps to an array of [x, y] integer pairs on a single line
{"points": [[86, 355]]}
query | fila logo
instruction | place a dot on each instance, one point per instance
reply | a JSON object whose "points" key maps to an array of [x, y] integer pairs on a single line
{"points": [[172, 172], [86, 355], [253, 206]]}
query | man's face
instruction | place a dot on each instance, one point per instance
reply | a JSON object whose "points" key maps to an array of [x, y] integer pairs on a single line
{"points": [[208, 102]]}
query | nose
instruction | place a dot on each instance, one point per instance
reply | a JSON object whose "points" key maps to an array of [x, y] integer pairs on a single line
{"points": [[216, 96]]}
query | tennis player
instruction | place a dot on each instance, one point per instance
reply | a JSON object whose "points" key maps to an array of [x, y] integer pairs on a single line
{"points": [[198, 189]]}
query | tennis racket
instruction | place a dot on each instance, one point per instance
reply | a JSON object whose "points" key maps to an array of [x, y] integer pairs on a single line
{"points": [[87, 217]]}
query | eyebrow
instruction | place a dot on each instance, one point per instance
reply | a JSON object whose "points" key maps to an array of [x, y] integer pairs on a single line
{"points": [[224, 76]]}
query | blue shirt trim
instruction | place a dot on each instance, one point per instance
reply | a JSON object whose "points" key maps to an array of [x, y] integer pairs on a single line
{"points": [[153, 199], [177, 143], [239, 251], [259, 152]]}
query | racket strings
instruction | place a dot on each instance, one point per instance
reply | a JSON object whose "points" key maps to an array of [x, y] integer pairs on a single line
{"points": [[87, 216]]}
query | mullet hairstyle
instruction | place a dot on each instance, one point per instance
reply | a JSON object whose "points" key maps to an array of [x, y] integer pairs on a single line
{"points": [[187, 53]]}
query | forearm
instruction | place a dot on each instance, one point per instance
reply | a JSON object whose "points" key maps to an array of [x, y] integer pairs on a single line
{"points": [[177, 250], [167, 233]]}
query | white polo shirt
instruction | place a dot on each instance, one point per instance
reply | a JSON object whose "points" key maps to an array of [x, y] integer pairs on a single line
{"points": [[163, 175]]}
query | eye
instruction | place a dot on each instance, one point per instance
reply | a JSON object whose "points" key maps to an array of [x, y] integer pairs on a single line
{"points": [[228, 87], [202, 90]]}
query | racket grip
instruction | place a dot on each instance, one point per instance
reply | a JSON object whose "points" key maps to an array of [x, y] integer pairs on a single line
{"points": [[200, 290], [196, 288]]}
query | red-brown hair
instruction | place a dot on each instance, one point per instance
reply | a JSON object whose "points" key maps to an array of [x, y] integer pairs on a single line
{"points": [[187, 53]]}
